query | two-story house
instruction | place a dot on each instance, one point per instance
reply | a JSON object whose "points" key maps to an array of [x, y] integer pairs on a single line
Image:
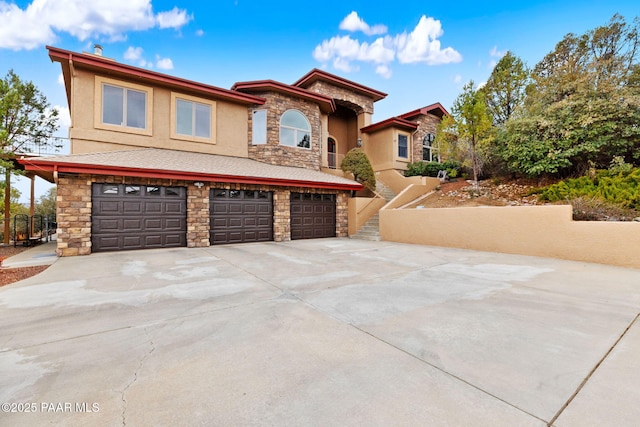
{"points": [[159, 161]]}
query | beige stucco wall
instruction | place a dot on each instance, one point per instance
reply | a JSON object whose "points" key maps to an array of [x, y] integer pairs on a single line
{"points": [[361, 209], [229, 117], [546, 231], [379, 149], [411, 193], [398, 182]]}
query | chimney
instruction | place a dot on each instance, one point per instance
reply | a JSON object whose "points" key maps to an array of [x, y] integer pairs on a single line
{"points": [[97, 49]]}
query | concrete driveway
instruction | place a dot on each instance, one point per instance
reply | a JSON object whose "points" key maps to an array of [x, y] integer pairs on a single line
{"points": [[321, 332]]}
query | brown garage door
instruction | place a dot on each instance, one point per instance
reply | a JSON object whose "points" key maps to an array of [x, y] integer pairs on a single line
{"points": [[313, 215], [127, 217], [239, 216]]}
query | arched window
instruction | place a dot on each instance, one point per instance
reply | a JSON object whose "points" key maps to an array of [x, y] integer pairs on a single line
{"points": [[295, 130]]}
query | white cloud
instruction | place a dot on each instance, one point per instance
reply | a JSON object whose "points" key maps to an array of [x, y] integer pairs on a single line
{"points": [[384, 71], [175, 18], [343, 49], [419, 46], [42, 20], [495, 53], [352, 22], [422, 45], [164, 63], [61, 79], [199, 33], [457, 79], [64, 117], [134, 54]]}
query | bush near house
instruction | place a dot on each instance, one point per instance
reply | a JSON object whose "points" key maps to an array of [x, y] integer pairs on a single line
{"points": [[432, 168], [610, 193], [357, 162]]}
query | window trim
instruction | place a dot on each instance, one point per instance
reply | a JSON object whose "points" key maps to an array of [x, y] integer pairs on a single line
{"points": [[97, 117], [212, 120], [253, 127], [398, 146], [434, 155], [280, 126]]}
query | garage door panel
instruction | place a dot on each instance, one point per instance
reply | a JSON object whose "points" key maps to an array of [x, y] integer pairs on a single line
{"points": [[129, 225], [238, 216], [132, 207], [313, 216], [174, 208], [109, 206], [137, 217]]}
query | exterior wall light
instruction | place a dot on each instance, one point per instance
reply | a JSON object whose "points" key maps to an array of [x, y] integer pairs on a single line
{"points": [[199, 184]]}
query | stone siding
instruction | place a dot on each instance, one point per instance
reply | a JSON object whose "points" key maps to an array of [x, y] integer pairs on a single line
{"points": [[74, 209], [426, 124], [274, 153], [359, 103]]}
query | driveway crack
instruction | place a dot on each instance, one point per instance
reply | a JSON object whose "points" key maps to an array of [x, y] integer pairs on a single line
{"points": [[590, 374], [152, 348]]}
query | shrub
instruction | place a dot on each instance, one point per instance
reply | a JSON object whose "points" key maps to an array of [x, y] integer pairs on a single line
{"points": [[622, 188], [432, 168], [357, 162]]}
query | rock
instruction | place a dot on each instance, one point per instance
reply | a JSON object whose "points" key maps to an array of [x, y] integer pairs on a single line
{"points": [[637, 219]]}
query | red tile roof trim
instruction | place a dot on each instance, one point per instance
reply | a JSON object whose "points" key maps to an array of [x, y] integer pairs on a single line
{"points": [[61, 55], [426, 110], [325, 102], [286, 178], [391, 122], [317, 74]]}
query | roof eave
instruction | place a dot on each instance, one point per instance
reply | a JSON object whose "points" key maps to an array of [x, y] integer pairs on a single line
{"points": [[326, 103], [107, 65], [391, 122], [317, 74], [67, 167]]}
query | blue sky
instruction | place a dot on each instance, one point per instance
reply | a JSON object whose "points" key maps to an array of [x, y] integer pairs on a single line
{"points": [[417, 52]]}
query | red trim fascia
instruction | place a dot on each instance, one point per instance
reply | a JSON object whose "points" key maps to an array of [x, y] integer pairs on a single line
{"points": [[327, 102], [317, 74], [425, 110], [60, 55], [186, 176], [390, 122]]}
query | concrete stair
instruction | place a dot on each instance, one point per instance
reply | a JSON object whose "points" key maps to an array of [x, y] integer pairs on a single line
{"points": [[370, 230], [385, 191]]}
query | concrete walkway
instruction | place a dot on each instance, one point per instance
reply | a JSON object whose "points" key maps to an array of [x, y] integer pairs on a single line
{"points": [[42, 254], [321, 332]]}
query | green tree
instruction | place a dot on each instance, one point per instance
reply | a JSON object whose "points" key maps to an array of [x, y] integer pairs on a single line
{"points": [[505, 90], [25, 118], [15, 207], [582, 109], [357, 162], [465, 134], [46, 205]]}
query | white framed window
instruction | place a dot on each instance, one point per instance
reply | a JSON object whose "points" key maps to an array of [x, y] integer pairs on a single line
{"points": [[259, 127], [429, 151], [192, 118], [295, 129], [123, 106], [403, 146]]}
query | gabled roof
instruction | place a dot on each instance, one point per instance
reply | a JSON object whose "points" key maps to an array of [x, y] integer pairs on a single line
{"points": [[436, 109], [396, 122], [183, 165], [326, 103], [317, 74], [110, 67]]}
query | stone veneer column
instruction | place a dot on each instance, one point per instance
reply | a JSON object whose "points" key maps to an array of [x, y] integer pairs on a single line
{"points": [[73, 214], [342, 215], [197, 217], [281, 215]]}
